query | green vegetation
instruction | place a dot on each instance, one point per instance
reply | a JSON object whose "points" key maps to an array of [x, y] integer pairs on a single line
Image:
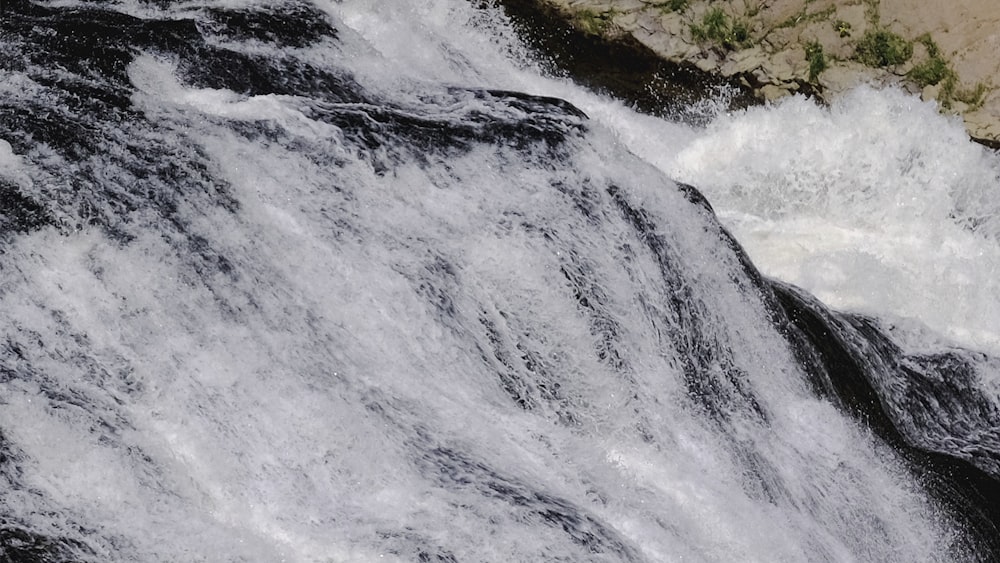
{"points": [[932, 48], [719, 28], [930, 72], [594, 23], [973, 98], [816, 58], [727, 26], [843, 28], [881, 48], [950, 93], [714, 26], [673, 5], [933, 70]]}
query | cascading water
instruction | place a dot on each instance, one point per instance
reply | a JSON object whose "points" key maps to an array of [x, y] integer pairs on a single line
{"points": [[296, 281]]}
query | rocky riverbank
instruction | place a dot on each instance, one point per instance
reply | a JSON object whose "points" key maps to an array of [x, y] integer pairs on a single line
{"points": [[943, 51]]}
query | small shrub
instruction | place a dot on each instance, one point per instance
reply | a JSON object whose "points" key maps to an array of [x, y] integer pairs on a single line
{"points": [[950, 93], [935, 69], [739, 34], [843, 28], [816, 58], [932, 48], [930, 72], [719, 28], [882, 48], [715, 25]]}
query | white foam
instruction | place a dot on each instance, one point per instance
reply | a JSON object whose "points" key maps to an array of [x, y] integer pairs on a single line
{"points": [[285, 409], [876, 204]]}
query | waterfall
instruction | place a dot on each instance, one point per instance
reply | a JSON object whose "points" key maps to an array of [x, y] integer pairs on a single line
{"points": [[350, 280]]}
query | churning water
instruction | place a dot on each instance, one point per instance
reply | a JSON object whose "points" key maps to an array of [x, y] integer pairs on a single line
{"points": [[353, 281]]}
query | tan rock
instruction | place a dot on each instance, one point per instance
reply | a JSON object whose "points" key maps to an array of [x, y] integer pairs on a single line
{"points": [[627, 20], [628, 5], [708, 64], [780, 11], [983, 123], [781, 38], [839, 79], [596, 5], [771, 92], [786, 66], [674, 24], [742, 62], [966, 31], [930, 92], [664, 37], [854, 16]]}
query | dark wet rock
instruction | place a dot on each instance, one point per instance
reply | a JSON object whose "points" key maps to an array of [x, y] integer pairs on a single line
{"points": [[19, 545], [622, 66], [851, 361], [293, 25], [452, 469], [19, 213]]}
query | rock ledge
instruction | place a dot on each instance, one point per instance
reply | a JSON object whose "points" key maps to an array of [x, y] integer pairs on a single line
{"points": [[942, 51]]}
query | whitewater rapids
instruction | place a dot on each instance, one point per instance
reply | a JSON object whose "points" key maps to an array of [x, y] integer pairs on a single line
{"points": [[355, 281]]}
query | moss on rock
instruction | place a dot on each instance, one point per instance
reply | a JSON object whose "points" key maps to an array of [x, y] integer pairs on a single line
{"points": [[882, 48]]}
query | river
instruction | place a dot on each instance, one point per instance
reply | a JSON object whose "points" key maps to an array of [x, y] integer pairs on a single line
{"points": [[357, 280]]}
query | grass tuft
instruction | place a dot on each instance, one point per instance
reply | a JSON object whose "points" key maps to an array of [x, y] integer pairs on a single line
{"points": [[930, 72], [719, 28], [881, 48], [817, 60]]}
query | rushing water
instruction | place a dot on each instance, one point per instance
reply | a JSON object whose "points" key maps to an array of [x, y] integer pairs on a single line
{"points": [[354, 281]]}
